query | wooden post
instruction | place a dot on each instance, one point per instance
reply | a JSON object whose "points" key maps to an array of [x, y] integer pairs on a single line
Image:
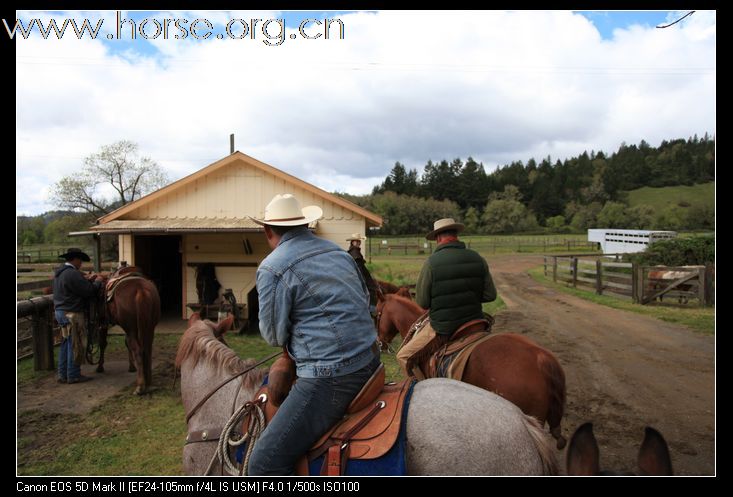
{"points": [[544, 265], [599, 277], [42, 340], [97, 253], [574, 265], [554, 269], [708, 284], [701, 285], [637, 283]]}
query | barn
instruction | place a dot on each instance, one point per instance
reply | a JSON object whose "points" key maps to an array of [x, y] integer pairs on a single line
{"points": [[203, 218]]}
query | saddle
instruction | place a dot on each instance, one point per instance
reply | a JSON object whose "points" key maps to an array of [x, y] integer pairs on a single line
{"points": [[122, 274], [368, 430], [446, 355]]}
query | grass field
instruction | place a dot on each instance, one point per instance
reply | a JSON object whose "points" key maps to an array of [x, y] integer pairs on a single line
{"points": [[661, 198]]}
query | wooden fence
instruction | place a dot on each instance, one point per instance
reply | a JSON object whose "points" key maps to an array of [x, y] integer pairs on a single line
{"points": [[40, 312], [633, 282]]}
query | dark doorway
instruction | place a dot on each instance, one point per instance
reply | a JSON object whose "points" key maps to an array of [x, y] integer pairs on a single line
{"points": [[160, 259], [253, 311]]}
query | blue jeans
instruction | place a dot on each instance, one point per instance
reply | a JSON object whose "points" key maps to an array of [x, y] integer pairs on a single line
{"points": [[312, 407], [67, 369]]}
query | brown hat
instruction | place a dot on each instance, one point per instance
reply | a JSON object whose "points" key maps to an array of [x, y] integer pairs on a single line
{"points": [[74, 253], [444, 225]]}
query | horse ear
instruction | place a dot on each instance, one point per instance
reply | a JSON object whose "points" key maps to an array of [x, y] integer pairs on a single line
{"points": [[654, 456], [194, 317], [582, 458], [223, 326]]}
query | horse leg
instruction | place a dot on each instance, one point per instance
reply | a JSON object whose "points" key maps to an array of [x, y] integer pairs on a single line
{"points": [[131, 360], [137, 354], [102, 346]]}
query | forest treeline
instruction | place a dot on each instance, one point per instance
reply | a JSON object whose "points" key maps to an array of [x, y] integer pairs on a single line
{"points": [[572, 195]]}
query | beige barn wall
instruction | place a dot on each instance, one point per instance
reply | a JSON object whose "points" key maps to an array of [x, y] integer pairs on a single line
{"points": [[235, 191]]}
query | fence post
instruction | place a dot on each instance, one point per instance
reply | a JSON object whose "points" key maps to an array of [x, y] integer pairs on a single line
{"points": [[574, 265], [701, 285], [637, 283], [599, 277], [41, 328], [544, 264], [554, 268], [708, 284]]}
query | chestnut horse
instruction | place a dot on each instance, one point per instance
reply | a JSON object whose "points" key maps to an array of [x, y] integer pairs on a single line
{"points": [[509, 364], [452, 428], [387, 287], [135, 306]]}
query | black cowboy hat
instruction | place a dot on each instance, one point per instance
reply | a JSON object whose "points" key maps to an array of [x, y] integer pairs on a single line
{"points": [[73, 253]]}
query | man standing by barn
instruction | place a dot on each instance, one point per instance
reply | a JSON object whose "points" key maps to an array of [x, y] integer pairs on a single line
{"points": [[314, 303], [452, 284], [70, 293]]}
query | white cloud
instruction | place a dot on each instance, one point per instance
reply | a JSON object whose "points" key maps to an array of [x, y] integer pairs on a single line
{"points": [[401, 86]]}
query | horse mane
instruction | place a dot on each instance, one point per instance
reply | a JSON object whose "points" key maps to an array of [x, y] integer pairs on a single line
{"points": [[199, 344], [409, 303]]}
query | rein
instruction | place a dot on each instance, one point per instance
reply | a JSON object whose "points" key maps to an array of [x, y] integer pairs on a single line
{"points": [[216, 389]]}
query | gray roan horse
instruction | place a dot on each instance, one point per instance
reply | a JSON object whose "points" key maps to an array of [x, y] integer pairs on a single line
{"points": [[452, 428]]}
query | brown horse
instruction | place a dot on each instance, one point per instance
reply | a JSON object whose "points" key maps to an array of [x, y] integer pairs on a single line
{"points": [[388, 288], [135, 306], [583, 454], [508, 364]]}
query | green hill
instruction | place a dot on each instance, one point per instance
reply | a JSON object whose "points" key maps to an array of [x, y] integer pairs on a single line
{"points": [[682, 196]]}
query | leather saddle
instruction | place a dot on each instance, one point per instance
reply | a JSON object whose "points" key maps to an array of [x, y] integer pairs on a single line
{"points": [[368, 430], [122, 274], [441, 347]]}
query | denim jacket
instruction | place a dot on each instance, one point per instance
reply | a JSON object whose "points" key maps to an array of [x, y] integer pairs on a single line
{"points": [[313, 300]]}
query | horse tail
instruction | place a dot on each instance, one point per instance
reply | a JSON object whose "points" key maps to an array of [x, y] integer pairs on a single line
{"points": [[535, 429], [555, 377], [146, 321]]}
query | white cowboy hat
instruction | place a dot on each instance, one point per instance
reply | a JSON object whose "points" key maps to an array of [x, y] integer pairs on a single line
{"points": [[356, 236], [285, 210], [443, 225]]}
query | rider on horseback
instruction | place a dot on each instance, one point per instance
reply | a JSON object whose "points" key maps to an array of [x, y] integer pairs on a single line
{"points": [[453, 283], [313, 302]]}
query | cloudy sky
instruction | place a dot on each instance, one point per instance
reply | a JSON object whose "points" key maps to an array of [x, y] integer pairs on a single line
{"points": [[338, 112]]}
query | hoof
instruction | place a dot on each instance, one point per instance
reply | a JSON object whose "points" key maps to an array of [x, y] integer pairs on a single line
{"points": [[139, 391], [131, 369], [100, 369]]}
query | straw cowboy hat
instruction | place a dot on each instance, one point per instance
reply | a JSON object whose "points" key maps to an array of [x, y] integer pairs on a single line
{"points": [[73, 253], [285, 210], [356, 236], [444, 225]]}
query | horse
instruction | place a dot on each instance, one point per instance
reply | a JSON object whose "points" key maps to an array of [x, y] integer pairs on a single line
{"points": [[135, 306], [388, 288], [509, 364], [583, 454], [452, 428]]}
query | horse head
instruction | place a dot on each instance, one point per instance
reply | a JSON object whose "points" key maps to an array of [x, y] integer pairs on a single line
{"points": [[386, 328], [583, 454], [219, 329]]}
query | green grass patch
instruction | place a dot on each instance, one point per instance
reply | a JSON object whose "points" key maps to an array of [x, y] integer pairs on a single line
{"points": [[700, 319], [661, 198]]}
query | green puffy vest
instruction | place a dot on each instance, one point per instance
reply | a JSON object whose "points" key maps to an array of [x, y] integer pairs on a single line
{"points": [[457, 286]]}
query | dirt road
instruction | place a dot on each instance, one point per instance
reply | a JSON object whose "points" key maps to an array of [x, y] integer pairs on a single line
{"points": [[624, 371]]}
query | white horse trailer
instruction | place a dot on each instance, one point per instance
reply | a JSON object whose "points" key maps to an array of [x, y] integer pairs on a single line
{"points": [[626, 241]]}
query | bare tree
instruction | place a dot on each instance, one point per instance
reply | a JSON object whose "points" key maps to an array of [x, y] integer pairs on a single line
{"points": [[118, 165]]}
